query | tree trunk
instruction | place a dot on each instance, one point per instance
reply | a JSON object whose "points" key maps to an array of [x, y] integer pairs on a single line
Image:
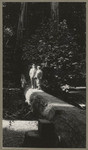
{"points": [[55, 10], [22, 23]]}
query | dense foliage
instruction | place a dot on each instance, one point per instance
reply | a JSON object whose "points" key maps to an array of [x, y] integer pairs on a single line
{"points": [[54, 47], [10, 23]]}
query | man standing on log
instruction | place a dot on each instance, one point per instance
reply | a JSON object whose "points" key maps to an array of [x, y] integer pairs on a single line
{"points": [[38, 77], [32, 73]]}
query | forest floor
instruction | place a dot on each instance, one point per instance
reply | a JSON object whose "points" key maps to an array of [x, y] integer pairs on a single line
{"points": [[14, 131], [14, 106]]}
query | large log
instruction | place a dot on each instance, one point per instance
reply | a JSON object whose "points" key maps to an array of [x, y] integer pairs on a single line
{"points": [[70, 122]]}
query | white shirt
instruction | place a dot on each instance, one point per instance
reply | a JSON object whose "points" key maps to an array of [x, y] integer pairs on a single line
{"points": [[32, 72]]}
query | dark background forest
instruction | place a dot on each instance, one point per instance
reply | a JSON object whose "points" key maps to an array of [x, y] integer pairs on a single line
{"points": [[57, 44]]}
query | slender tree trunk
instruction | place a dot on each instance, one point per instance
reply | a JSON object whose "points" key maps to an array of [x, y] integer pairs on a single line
{"points": [[55, 11], [20, 38], [22, 23]]}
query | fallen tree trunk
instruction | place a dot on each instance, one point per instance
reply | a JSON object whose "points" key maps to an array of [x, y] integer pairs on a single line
{"points": [[70, 122]]}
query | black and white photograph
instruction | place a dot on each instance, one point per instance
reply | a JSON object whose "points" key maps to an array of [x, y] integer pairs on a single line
{"points": [[44, 74]]}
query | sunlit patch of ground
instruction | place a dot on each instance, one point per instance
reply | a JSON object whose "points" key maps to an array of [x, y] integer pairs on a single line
{"points": [[14, 132]]}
